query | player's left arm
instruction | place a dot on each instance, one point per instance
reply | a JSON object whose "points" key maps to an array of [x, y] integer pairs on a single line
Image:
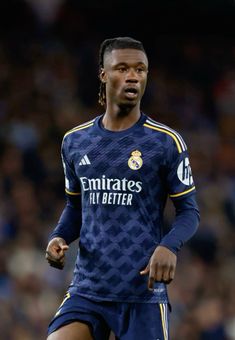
{"points": [[162, 264]]}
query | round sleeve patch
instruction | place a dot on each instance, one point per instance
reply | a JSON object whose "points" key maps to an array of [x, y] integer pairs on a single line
{"points": [[184, 172]]}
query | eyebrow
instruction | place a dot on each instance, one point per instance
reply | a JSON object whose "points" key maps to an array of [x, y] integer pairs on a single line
{"points": [[126, 64]]}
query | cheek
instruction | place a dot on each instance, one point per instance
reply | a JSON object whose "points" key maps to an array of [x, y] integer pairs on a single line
{"points": [[115, 83], [143, 85]]}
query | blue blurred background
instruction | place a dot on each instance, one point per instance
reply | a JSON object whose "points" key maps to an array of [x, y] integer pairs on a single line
{"points": [[49, 84]]}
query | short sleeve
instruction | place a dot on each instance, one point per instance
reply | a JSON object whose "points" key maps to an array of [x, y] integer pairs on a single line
{"points": [[179, 175], [72, 185]]}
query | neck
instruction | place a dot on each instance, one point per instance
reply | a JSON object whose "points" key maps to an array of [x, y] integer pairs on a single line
{"points": [[121, 119]]}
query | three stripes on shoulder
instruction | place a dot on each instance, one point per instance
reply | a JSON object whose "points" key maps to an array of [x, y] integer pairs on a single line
{"points": [[151, 124]]}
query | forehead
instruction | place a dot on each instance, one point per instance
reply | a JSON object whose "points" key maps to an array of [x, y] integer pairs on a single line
{"points": [[127, 56]]}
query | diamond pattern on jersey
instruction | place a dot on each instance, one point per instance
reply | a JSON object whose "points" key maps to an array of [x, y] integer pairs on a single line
{"points": [[118, 238]]}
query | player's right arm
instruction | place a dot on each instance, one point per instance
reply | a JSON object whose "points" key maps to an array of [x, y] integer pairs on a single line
{"points": [[68, 227], [55, 252], [66, 231]]}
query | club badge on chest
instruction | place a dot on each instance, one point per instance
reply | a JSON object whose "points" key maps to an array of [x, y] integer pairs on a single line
{"points": [[135, 162]]}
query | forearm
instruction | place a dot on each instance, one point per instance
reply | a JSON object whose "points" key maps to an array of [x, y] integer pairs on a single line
{"points": [[69, 224], [184, 226]]}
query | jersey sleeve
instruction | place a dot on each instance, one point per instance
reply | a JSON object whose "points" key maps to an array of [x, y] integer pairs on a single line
{"points": [[72, 185], [181, 189], [179, 175]]}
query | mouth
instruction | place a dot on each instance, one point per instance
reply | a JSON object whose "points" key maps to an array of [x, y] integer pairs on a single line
{"points": [[131, 92]]}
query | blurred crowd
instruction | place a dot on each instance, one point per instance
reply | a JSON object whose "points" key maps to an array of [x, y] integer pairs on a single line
{"points": [[48, 87]]}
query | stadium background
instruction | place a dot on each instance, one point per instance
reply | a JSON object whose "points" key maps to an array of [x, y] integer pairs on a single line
{"points": [[49, 83]]}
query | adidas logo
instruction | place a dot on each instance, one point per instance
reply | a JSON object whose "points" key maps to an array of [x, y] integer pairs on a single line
{"points": [[84, 161]]}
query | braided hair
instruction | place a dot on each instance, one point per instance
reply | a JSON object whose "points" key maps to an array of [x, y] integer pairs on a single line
{"points": [[114, 44]]}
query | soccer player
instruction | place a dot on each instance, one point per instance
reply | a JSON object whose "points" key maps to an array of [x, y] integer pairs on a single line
{"points": [[119, 170]]}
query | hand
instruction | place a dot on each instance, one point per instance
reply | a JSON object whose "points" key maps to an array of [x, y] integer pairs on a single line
{"points": [[161, 267], [55, 252]]}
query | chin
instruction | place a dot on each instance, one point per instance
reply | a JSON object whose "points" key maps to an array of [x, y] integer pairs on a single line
{"points": [[129, 104], [126, 108]]}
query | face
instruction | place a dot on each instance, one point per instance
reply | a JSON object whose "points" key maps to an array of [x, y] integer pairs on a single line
{"points": [[125, 75]]}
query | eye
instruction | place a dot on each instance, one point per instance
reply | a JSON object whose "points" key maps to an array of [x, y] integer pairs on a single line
{"points": [[121, 69], [140, 69]]}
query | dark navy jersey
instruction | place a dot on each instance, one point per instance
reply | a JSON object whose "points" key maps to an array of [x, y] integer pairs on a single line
{"points": [[124, 178]]}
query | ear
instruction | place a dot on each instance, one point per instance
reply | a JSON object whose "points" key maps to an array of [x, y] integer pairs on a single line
{"points": [[102, 75]]}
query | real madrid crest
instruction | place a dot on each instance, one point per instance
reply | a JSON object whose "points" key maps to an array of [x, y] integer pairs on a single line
{"points": [[135, 162]]}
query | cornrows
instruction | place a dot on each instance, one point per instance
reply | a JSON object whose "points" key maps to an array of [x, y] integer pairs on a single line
{"points": [[114, 44]]}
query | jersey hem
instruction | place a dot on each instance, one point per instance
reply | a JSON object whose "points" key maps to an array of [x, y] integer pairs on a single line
{"points": [[152, 299]]}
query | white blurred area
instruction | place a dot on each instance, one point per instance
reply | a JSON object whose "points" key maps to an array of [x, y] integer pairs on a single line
{"points": [[46, 10]]}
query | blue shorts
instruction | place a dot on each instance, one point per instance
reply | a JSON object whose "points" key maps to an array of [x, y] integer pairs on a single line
{"points": [[128, 321]]}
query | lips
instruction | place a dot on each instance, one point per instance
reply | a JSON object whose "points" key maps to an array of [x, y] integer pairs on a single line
{"points": [[131, 92]]}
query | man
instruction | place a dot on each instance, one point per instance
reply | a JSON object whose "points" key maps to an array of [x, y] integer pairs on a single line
{"points": [[119, 169]]}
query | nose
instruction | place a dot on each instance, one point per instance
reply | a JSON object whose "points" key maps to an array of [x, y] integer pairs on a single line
{"points": [[132, 76]]}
